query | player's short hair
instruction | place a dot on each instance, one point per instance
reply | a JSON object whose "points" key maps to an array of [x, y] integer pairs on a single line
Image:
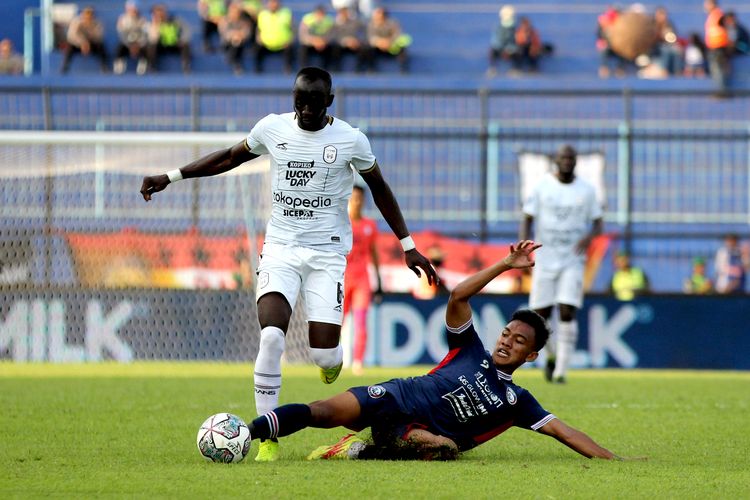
{"points": [[312, 73], [535, 321]]}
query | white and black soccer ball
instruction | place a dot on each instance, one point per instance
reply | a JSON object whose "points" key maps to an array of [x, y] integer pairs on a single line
{"points": [[224, 438]]}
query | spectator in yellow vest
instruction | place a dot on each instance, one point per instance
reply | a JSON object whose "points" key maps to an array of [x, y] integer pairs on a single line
{"points": [[628, 281], [698, 283], [275, 34], [167, 34], [315, 32]]}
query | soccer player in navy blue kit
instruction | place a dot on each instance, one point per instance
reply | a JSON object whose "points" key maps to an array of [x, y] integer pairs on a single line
{"points": [[466, 400]]}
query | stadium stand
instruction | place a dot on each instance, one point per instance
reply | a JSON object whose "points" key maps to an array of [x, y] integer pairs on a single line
{"points": [[449, 37], [430, 126]]}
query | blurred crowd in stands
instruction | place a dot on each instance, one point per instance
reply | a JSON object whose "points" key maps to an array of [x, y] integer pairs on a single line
{"points": [[650, 42], [629, 39], [731, 265], [236, 27]]}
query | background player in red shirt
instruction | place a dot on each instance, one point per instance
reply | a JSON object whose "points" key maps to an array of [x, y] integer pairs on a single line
{"points": [[357, 289]]}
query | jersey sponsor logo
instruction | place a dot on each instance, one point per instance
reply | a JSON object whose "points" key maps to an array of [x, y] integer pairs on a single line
{"points": [[461, 403], [299, 214], [282, 146], [300, 164], [295, 202], [510, 395], [376, 391], [329, 154], [263, 279], [485, 364], [299, 177], [484, 387]]}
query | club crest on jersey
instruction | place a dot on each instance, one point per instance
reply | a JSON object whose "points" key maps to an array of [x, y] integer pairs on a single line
{"points": [[511, 396], [329, 154], [376, 391], [263, 279]]}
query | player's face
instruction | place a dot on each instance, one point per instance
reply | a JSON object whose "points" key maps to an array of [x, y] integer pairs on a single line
{"points": [[311, 100], [515, 346], [566, 162]]}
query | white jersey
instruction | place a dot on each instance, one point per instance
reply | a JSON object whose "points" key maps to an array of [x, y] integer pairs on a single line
{"points": [[563, 214], [311, 180]]}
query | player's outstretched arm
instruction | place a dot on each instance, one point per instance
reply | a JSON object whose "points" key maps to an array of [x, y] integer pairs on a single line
{"points": [[576, 440], [214, 163], [388, 206], [459, 310]]}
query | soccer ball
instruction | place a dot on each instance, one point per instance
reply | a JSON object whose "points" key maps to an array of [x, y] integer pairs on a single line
{"points": [[224, 438]]}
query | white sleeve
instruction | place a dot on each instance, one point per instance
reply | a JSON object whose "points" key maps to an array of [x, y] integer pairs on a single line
{"points": [[255, 140], [362, 157], [596, 207], [531, 203]]}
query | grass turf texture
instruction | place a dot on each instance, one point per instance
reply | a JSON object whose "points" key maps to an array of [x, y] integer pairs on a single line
{"points": [[129, 431]]}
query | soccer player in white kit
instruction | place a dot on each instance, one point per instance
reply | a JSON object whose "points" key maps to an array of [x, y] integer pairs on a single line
{"points": [[565, 216], [313, 159]]}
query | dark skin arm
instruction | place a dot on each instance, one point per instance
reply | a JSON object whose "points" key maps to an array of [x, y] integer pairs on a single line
{"points": [[214, 163], [596, 229], [388, 206]]}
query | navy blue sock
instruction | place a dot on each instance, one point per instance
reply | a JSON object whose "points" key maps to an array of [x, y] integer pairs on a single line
{"points": [[281, 422]]}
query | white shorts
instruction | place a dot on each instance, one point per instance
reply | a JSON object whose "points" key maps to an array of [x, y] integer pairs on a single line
{"points": [[320, 276], [550, 287]]}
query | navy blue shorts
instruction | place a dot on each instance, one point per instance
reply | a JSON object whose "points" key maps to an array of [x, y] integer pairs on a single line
{"points": [[380, 410]]}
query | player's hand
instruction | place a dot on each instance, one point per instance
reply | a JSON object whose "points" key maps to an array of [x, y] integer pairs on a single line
{"points": [[416, 261], [153, 184], [520, 255]]}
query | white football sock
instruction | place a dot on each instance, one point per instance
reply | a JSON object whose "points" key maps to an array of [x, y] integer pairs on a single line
{"points": [[567, 336], [267, 374], [327, 358]]}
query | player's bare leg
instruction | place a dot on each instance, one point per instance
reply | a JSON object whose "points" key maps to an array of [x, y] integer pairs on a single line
{"points": [[274, 313], [325, 349]]}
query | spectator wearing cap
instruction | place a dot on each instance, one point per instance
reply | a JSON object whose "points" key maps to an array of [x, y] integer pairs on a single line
{"points": [[698, 283]]}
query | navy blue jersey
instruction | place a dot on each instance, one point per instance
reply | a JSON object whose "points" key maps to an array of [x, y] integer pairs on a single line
{"points": [[465, 397]]}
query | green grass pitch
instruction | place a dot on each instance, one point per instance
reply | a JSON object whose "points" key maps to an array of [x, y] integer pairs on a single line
{"points": [[116, 431]]}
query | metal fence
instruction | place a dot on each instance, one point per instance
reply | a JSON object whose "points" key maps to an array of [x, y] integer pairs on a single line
{"points": [[677, 163]]}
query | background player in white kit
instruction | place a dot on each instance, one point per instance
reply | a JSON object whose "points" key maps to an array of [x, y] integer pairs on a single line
{"points": [[565, 216], [313, 158]]}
